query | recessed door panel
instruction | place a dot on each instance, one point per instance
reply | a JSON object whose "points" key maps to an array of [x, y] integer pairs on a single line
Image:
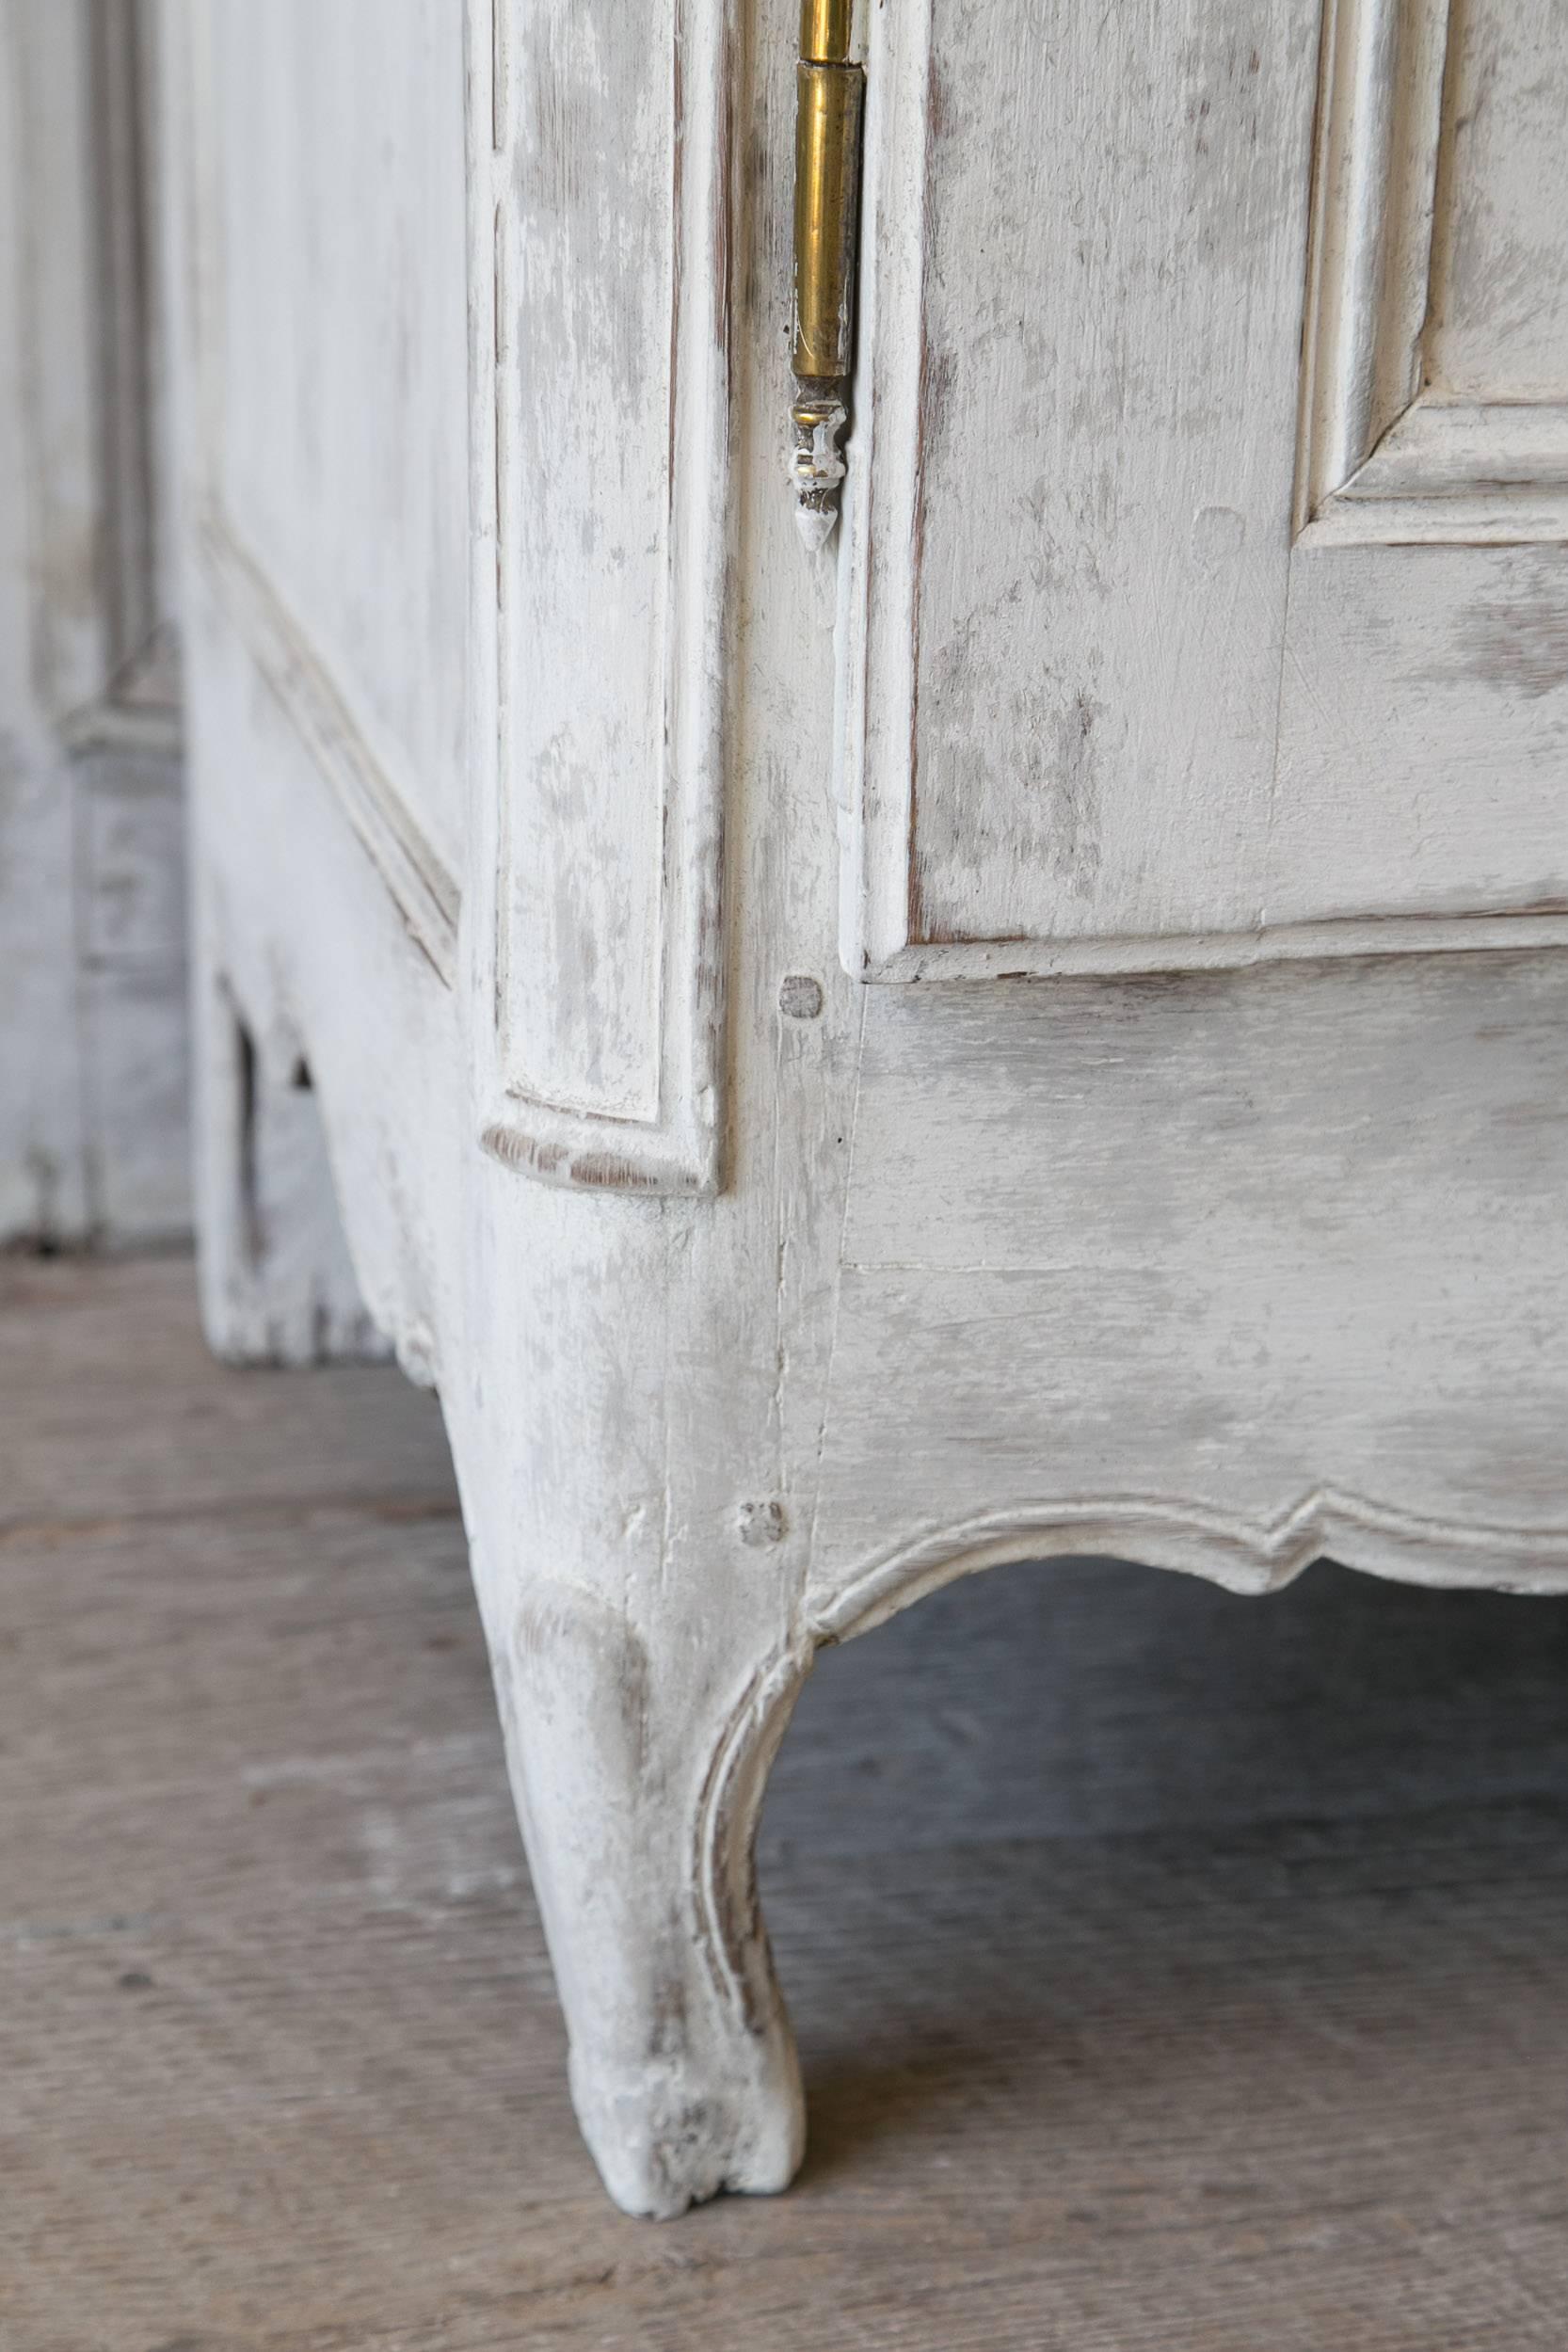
{"points": [[1180, 569], [1498, 327]]}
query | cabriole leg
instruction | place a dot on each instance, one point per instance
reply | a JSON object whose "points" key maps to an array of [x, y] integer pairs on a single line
{"points": [[644, 1684], [639, 1769]]}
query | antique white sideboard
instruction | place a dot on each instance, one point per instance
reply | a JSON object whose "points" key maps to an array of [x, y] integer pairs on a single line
{"points": [[925, 937]]}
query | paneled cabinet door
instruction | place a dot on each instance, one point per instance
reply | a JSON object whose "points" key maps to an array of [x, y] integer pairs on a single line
{"points": [[1246, 331]]}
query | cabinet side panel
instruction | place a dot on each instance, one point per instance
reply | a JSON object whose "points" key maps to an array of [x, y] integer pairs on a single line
{"points": [[334, 217]]}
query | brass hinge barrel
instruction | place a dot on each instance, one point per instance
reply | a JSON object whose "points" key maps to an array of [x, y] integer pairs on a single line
{"points": [[825, 30], [829, 106], [827, 180]]}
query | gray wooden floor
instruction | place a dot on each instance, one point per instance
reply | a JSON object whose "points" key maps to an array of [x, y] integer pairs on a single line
{"points": [[1170, 1971]]}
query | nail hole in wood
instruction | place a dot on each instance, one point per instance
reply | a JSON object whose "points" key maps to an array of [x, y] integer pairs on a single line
{"points": [[800, 998]]}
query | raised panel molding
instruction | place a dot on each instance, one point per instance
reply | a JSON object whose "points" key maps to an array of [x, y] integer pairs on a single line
{"points": [[425, 892], [417, 879], [1387, 457], [598, 170], [596, 695], [1186, 756], [1095, 809]]}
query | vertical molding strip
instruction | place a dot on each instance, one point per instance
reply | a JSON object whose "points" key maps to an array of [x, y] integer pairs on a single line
{"points": [[599, 310], [1374, 198]]}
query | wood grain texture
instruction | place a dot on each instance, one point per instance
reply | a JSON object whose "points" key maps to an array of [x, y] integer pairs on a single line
{"points": [[1080, 456], [1444, 673], [1175, 1319], [586, 297], [1169, 1974], [1498, 328]]}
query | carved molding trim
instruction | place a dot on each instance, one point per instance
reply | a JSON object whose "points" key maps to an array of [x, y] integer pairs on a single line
{"points": [[733, 1936], [882, 510], [597, 636], [425, 894], [1242, 1555], [1212, 951], [1454, 474], [1383, 459]]}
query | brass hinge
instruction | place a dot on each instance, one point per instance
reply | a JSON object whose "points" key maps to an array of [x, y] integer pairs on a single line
{"points": [[829, 107]]}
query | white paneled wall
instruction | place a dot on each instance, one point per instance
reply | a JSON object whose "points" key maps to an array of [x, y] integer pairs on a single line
{"points": [[93, 1121]]}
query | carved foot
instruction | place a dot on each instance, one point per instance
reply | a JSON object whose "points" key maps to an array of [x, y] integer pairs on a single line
{"points": [[638, 1792], [667, 2138]]}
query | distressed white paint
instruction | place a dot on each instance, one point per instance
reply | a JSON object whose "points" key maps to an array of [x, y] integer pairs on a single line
{"points": [[1070, 568], [1380, 120], [328, 490], [92, 1019], [1217, 1269], [1498, 328], [598, 203], [1104, 696], [1434, 398]]}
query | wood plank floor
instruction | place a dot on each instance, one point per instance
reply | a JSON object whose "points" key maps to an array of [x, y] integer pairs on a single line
{"points": [[1193, 1977]]}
